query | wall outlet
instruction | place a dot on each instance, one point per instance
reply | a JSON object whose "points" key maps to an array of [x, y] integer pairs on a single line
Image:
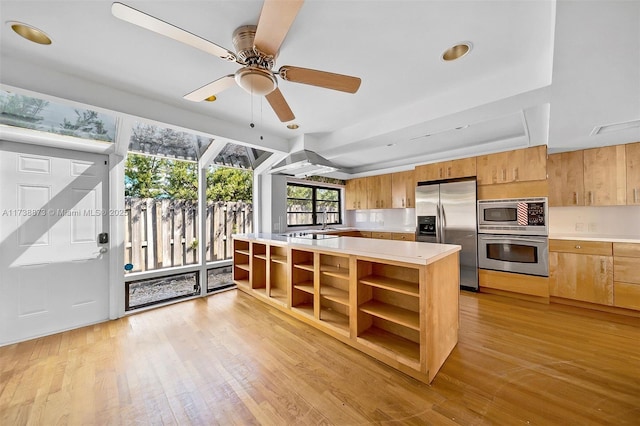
{"points": [[579, 226]]}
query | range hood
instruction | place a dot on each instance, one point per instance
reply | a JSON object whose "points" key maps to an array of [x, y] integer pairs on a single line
{"points": [[302, 164]]}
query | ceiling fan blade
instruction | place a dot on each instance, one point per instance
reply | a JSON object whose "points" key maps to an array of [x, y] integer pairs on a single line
{"points": [[275, 20], [212, 88], [328, 80], [141, 19], [280, 105]]}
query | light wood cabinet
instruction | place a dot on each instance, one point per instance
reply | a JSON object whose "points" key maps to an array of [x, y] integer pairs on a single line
{"points": [[581, 270], [379, 192], [403, 188], [605, 179], [632, 152], [566, 179], [451, 169], [626, 275], [381, 235], [356, 194], [527, 164], [403, 236]]}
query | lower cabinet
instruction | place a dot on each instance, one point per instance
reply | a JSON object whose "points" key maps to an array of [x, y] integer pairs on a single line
{"points": [[403, 314], [581, 270], [626, 275]]}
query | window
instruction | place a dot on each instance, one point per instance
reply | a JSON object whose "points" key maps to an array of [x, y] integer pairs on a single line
{"points": [[312, 205]]}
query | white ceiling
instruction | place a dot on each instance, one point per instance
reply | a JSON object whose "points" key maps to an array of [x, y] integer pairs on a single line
{"points": [[540, 72]]}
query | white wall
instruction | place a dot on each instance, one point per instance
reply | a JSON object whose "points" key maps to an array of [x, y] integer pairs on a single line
{"points": [[619, 221], [389, 219]]}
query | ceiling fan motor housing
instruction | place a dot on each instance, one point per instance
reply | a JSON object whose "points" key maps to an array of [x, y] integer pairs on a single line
{"points": [[256, 77]]}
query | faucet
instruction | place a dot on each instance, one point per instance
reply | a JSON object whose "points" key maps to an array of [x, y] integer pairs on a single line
{"points": [[324, 218]]}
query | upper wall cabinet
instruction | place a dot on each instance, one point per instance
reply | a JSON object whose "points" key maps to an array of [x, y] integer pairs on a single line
{"points": [[356, 194], [452, 169], [633, 173], [379, 192], [403, 189], [566, 179], [605, 176], [527, 164]]}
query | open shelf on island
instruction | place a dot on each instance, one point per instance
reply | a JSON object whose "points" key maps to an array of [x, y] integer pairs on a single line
{"points": [[391, 342], [279, 259], [243, 266], [334, 318], [245, 252], [260, 256], [392, 284], [305, 286], [304, 266], [392, 313], [334, 271], [279, 294], [304, 308], [243, 283], [335, 294]]}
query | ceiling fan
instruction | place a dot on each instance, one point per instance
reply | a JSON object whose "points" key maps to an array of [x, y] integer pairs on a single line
{"points": [[256, 47]]}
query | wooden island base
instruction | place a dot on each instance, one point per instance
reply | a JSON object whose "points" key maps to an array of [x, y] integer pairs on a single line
{"points": [[403, 313]]}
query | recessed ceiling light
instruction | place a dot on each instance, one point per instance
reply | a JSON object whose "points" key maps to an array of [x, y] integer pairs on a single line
{"points": [[457, 51], [30, 33], [391, 144], [211, 98], [292, 126], [462, 127]]}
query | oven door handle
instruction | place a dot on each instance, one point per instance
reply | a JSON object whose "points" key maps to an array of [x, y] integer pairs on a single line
{"points": [[530, 240]]}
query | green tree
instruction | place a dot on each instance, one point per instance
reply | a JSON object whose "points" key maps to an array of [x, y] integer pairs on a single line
{"points": [[227, 184], [144, 176], [86, 123], [182, 180]]}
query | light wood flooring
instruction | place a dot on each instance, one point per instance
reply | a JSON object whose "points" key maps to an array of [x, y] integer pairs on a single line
{"points": [[231, 359]]}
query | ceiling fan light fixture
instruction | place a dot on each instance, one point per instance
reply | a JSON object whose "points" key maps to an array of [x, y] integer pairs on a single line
{"points": [[211, 98], [30, 33], [457, 51], [256, 81], [293, 126]]}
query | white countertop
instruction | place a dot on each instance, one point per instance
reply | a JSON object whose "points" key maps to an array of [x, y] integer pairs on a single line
{"points": [[402, 251], [331, 230], [597, 237]]}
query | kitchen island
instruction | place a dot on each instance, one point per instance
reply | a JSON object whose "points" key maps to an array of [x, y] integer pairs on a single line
{"points": [[397, 301]]}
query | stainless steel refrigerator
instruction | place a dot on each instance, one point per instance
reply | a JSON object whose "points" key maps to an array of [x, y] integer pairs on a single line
{"points": [[446, 213]]}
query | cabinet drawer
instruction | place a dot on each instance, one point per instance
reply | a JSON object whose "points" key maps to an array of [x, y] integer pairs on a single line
{"points": [[626, 269], [403, 236], [626, 249], [381, 235], [581, 247], [626, 295]]}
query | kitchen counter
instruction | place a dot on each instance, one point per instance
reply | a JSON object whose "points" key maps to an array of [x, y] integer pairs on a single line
{"points": [[597, 237], [401, 251]]}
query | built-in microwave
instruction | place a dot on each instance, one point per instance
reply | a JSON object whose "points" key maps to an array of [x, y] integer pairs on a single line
{"points": [[515, 216]]}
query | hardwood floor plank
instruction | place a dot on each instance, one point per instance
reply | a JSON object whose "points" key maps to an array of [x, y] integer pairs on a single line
{"points": [[231, 359]]}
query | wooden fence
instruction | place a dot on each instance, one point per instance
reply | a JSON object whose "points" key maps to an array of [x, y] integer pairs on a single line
{"points": [[163, 233]]}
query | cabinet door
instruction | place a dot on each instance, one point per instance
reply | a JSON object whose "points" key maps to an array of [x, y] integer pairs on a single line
{"points": [[384, 191], [530, 164], [351, 194], [633, 173], [566, 179], [587, 278], [605, 178], [492, 168], [399, 190], [463, 167], [410, 188], [429, 172]]}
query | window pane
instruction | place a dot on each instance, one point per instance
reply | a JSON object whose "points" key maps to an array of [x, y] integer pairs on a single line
{"points": [[299, 206], [299, 218], [295, 191], [149, 292], [327, 194], [328, 206], [219, 278]]}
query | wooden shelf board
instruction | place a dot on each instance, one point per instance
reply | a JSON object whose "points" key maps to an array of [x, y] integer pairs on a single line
{"points": [[398, 345], [334, 271], [392, 313], [334, 294], [243, 283], [392, 284], [334, 318], [278, 293], [304, 266], [279, 259], [306, 286], [260, 256], [304, 308], [243, 266], [245, 252]]}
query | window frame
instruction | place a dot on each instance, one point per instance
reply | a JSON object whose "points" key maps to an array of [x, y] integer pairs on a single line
{"points": [[314, 212]]}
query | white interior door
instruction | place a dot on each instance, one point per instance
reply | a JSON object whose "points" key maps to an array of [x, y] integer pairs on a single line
{"points": [[53, 270]]}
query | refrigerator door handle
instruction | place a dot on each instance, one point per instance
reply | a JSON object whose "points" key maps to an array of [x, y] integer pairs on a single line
{"points": [[438, 224], [443, 224]]}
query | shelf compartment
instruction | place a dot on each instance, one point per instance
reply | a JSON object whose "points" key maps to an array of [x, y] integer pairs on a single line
{"points": [[244, 252], [334, 271], [278, 294], [392, 313], [385, 340], [334, 318], [304, 309], [305, 286], [335, 294], [243, 266], [279, 259], [260, 256], [392, 284], [243, 283], [304, 266]]}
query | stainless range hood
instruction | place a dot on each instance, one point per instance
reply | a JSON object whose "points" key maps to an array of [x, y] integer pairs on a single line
{"points": [[302, 164]]}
